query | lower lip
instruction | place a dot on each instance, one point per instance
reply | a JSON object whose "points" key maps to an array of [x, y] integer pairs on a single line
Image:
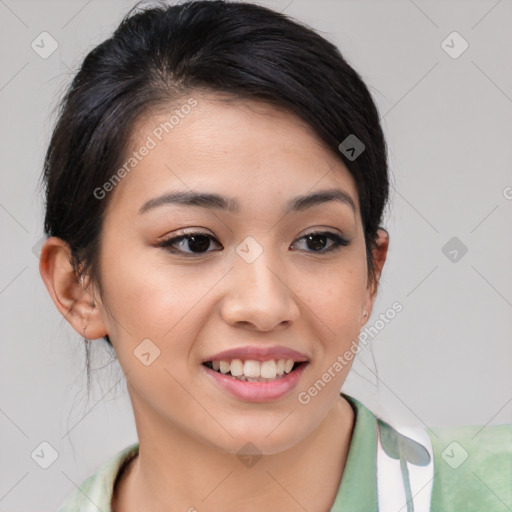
{"points": [[258, 391]]}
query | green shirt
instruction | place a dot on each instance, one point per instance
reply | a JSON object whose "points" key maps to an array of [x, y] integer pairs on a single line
{"points": [[472, 470]]}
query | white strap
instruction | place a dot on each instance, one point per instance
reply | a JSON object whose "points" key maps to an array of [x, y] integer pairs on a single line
{"points": [[404, 442]]}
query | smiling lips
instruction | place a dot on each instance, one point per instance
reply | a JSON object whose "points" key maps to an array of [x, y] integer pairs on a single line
{"points": [[255, 364], [254, 371]]}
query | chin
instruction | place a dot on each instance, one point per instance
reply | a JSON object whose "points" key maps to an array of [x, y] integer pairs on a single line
{"points": [[255, 440]]}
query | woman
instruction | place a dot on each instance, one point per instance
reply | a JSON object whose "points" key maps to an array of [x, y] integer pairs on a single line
{"points": [[215, 187]]}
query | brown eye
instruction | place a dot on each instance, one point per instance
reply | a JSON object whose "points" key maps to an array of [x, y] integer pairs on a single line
{"points": [[192, 243], [317, 241]]}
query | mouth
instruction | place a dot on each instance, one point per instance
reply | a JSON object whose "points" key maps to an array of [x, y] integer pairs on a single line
{"points": [[251, 370]]}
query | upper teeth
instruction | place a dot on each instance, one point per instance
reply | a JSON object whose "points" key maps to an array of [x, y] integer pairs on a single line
{"points": [[250, 368]]}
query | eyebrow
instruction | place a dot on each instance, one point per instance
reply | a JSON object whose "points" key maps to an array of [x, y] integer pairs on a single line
{"points": [[216, 201]]}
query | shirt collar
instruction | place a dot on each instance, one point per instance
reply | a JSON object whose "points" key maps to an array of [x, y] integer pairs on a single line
{"points": [[358, 487]]}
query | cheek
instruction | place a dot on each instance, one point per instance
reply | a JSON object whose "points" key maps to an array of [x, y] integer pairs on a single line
{"points": [[335, 295], [150, 298]]}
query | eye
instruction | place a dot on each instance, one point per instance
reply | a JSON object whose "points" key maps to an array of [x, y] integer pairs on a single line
{"points": [[318, 239], [196, 242]]}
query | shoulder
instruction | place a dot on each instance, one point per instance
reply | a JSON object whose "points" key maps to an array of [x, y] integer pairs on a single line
{"points": [[95, 493], [472, 468]]}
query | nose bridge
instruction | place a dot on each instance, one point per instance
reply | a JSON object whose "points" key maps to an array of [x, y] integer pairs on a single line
{"points": [[258, 292], [258, 266]]}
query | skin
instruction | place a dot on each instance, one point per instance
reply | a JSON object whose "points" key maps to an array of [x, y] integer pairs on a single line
{"points": [[194, 306]]}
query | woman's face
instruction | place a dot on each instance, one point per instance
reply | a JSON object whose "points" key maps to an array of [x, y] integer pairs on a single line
{"points": [[251, 279]]}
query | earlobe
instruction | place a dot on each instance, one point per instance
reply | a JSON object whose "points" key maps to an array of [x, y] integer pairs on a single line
{"points": [[72, 299]]}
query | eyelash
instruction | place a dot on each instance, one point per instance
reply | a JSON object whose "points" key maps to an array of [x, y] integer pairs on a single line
{"points": [[338, 242]]}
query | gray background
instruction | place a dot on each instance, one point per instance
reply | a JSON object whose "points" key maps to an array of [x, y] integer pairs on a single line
{"points": [[445, 359]]}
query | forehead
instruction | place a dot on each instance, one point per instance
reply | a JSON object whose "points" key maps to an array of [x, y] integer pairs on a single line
{"points": [[229, 146]]}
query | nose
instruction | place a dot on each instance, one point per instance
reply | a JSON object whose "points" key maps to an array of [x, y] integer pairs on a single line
{"points": [[258, 295]]}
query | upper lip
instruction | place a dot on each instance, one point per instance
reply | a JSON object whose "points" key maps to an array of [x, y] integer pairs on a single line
{"points": [[258, 354]]}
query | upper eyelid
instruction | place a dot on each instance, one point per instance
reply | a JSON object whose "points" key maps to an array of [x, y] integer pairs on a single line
{"points": [[185, 234], [340, 240]]}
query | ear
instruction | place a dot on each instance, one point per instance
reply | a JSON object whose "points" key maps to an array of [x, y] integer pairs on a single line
{"points": [[379, 255], [76, 302]]}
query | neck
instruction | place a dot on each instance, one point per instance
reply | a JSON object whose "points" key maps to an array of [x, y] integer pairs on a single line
{"points": [[179, 471]]}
